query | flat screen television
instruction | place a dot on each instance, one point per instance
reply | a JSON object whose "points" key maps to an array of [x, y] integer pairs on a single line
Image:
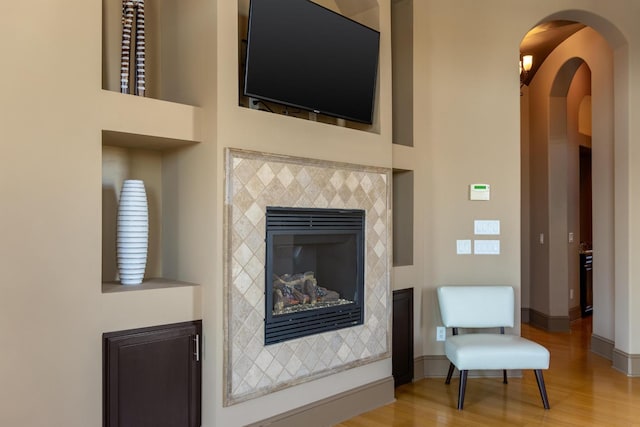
{"points": [[303, 55]]}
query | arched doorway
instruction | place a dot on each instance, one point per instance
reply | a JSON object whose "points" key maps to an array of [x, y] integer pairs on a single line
{"points": [[598, 50], [569, 132]]}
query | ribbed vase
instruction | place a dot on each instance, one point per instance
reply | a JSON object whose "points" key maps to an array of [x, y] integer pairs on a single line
{"points": [[133, 232]]}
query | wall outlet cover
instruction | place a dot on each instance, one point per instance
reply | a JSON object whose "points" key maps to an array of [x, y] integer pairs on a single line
{"points": [[441, 333]]}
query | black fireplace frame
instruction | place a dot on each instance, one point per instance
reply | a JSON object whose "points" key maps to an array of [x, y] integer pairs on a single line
{"points": [[308, 221]]}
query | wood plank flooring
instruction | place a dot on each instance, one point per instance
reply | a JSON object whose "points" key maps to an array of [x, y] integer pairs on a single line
{"points": [[583, 388]]}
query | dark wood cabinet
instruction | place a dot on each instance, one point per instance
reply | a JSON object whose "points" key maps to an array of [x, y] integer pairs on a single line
{"points": [[152, 376], [402, 349]]}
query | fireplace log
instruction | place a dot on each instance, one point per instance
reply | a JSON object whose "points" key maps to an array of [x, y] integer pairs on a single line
{"points": [[290, 296], [278, 301], [299, 288], [327, 295], [300, 297], [309, 287]]}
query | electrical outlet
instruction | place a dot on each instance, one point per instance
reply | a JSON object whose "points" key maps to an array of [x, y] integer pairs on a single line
{"points": [[441, 333]]}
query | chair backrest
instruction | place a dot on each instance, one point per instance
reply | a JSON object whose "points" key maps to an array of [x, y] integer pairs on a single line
{"points": [[476, 306]]}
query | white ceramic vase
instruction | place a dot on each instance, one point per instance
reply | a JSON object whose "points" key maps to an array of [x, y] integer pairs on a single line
{"points": [[133, 232]]}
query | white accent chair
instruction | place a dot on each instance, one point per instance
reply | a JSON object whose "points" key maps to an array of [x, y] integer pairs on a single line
{"points": [[487, 307]]}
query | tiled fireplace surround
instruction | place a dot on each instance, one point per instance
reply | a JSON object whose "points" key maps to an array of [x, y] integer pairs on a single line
{"points": [[253, 182]]}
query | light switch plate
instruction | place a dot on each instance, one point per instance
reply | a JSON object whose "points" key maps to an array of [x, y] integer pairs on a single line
{"points": [[486, 247], [463, 247], [486, 227]]}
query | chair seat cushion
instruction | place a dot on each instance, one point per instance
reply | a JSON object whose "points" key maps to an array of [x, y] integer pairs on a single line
{"points": [[495, 351]]}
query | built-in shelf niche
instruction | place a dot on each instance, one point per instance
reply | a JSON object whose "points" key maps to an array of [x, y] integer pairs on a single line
{"points": [[153, 160], [402, 71], [402, 217], [172, 61], [366, 12]]}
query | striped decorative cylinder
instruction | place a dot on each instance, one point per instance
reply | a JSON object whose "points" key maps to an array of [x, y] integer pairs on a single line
{"points": [[133, 42], [133, 232]]}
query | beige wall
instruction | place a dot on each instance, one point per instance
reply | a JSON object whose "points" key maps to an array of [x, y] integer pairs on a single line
{"points": [[466, 129], [50, 228], [525, 205]]}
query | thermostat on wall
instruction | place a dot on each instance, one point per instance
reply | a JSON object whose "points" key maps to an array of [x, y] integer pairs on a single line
{"points": [[479, 192]]}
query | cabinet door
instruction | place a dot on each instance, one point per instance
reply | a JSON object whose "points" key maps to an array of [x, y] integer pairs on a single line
{"points": [[402, 350], [152, 376]]}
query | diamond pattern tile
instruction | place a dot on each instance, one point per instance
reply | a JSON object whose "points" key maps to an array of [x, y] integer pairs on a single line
{"points": [[255, 181]]}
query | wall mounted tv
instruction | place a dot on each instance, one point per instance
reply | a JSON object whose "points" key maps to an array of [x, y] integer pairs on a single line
{"points": [[303, 55]]}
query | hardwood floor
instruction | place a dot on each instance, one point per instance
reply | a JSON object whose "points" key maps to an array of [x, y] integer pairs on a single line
{"points": [[583, 388]]}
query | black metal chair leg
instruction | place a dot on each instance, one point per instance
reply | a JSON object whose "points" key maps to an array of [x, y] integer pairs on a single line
{"points": [[542, 388], [461, 389], [504, 377], [451, 368]]}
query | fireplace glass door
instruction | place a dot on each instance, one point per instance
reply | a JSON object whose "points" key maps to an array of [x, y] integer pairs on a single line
{"points": [[314, 271]]}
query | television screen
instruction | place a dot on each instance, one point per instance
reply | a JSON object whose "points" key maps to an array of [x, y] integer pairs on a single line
{"points": [[303, 55]]}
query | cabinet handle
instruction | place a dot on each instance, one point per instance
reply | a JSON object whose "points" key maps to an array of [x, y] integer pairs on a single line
{"points": [[197, 353]]}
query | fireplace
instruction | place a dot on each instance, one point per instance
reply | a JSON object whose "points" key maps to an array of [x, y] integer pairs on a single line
{"points": [[314, 266], [253, 183]]}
